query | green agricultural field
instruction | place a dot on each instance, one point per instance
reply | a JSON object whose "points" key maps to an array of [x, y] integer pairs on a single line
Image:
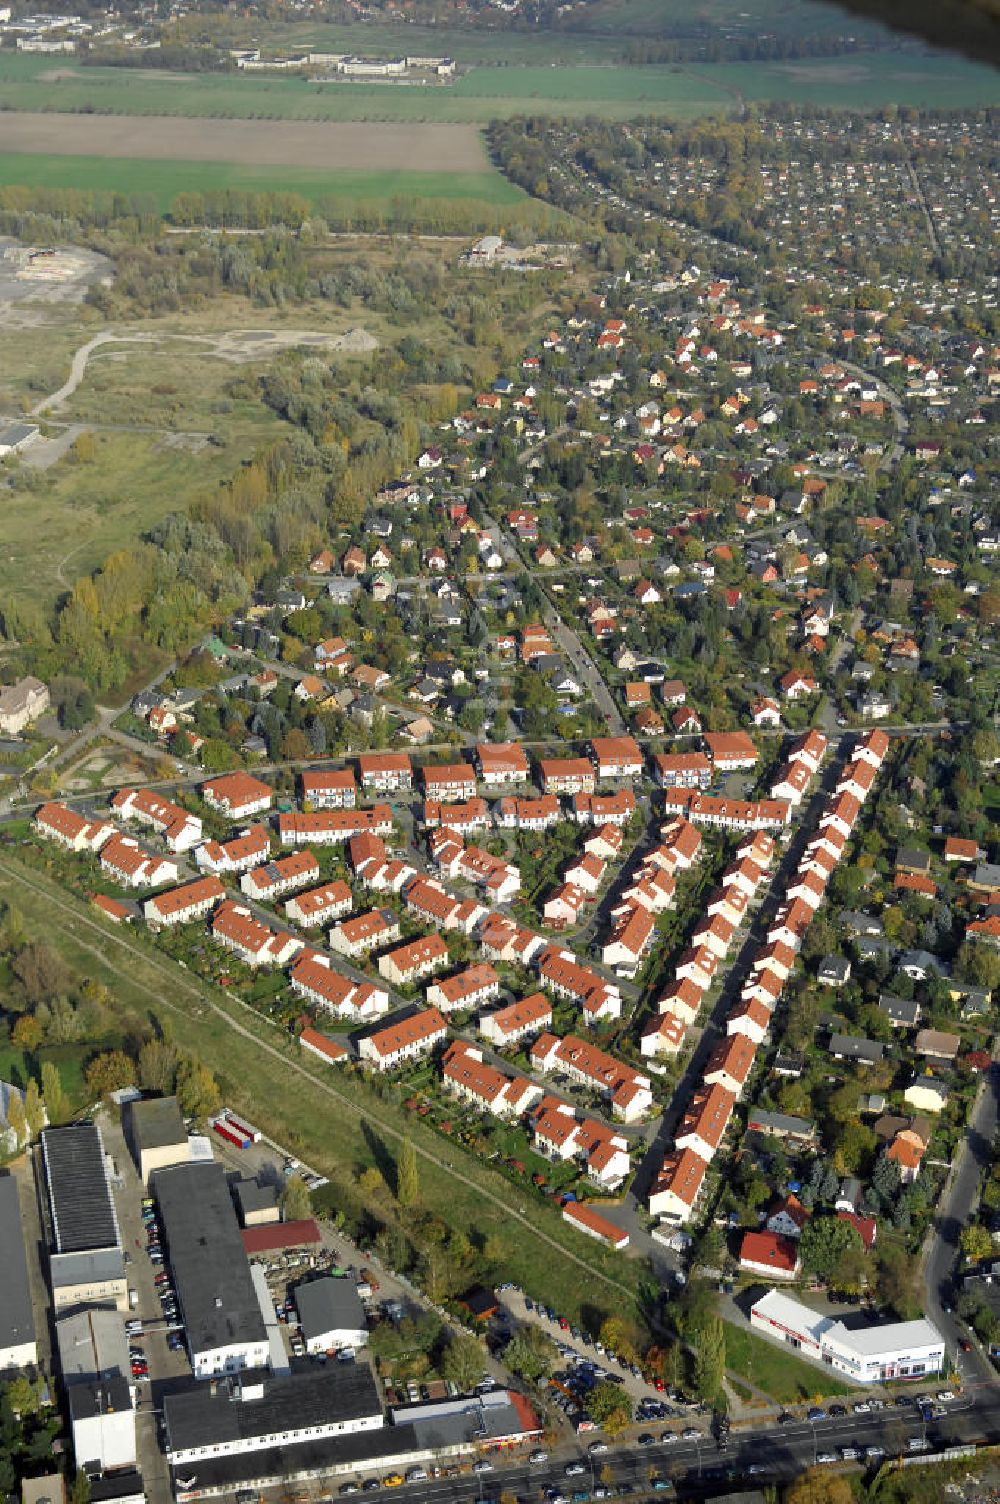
{"points": [[165, 180], [863, 82], [476, 97], [534, 83]]}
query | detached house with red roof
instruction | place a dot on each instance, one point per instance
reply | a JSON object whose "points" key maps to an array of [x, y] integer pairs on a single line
{"points": [[787, 1218], [770, 1255], [675, 1191]]}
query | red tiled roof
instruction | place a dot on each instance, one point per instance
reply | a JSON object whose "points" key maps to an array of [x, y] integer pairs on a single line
{"points": [[273, 1236]]}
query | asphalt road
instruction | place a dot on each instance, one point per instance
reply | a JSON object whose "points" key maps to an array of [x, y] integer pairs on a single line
{"points": [[772, 1454], [955, 1207], [570, 645]]}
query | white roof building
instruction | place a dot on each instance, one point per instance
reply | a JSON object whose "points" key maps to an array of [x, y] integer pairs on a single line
{"points": [[868, 1355]]}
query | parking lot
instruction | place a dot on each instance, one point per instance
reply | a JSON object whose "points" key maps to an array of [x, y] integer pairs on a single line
{"points": [[166, 1366]]}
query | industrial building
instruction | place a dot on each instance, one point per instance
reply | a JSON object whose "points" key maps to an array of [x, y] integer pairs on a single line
{"points": [[219, 1306], [18, 1348], [103, 1425], [92, 1345], [88, 1278], [155, 1134], [331, 1315], [76, 1176], [868, 1355], [86, 1265], [254, 1431]]}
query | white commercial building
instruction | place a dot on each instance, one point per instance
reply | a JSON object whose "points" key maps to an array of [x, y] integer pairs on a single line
{"points": [[867, 1355]]}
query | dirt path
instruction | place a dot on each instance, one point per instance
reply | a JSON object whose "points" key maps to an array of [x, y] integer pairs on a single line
{"points": [[105, 941], [78, 367]]}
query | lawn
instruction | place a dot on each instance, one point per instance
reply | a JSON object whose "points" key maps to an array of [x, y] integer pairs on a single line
{"points": [[333, 1121], [766, 1366], [165, 180], [18, 1068]]}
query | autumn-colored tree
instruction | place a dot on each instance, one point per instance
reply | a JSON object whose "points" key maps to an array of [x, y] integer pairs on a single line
{"points": [[610, 1407], [17, 1120], [296, 1201], [27, 1033], [197, 1090], [407, 1175], [157, 1066], [975, 1242], [41, 971], [34, 1108], [55, 1099], [462, 1363], [818, 1486], [109, 1072], [371, 1183], [619, 1335]]}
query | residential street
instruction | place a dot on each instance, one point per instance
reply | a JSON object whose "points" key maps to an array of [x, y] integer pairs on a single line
{"points": [[569, 643], [958, 1202]]}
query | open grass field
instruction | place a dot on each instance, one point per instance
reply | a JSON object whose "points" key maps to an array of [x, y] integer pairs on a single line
{"points": [[863, 82], [599, 28], [334, 1122], [79, 514], [165, 179], [173, 402], [787, 1379], [475, 97], [194, 108]]}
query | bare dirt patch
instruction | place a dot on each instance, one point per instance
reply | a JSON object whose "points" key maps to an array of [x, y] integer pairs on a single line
{"points": [[242, 345], [329, 145]]}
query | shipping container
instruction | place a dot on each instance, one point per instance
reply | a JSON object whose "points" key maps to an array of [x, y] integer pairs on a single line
{"points": [[238, 1126]]}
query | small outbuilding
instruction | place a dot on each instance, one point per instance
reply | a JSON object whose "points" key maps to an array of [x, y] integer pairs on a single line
{"points": [[257, 1204]]}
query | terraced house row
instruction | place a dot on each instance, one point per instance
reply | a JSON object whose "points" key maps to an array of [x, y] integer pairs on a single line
{"points": [[707, 1116]]}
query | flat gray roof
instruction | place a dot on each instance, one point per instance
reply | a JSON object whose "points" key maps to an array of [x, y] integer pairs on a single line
{"points": [[99, 1398], [89, 1267], [92, 1344], [156, 1123], [17, 1322], [327, 1305], [214, 1415], [251, 1197], [210, 1267]]}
